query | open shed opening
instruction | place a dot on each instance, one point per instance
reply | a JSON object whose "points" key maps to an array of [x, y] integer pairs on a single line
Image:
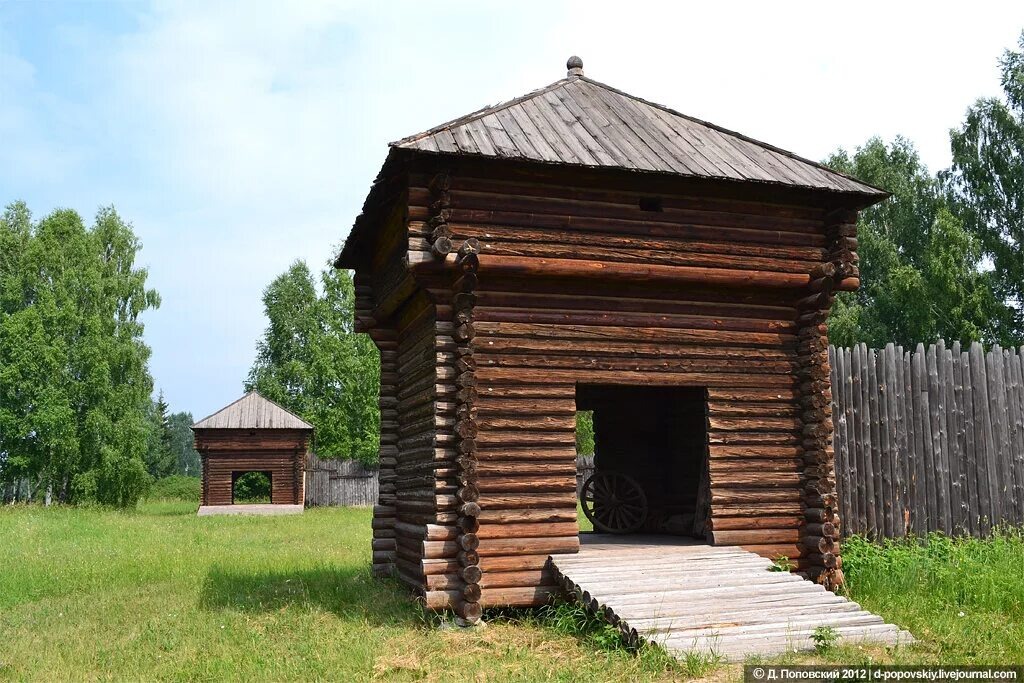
{"points": [[251, 488], [650, 459]]}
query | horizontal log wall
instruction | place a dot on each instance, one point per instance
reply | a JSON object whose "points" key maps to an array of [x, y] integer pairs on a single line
{"points": [[929, 440], [580, 285], [417, 519], [423, 481], [386, 339], [285, 470], [281, 452]]}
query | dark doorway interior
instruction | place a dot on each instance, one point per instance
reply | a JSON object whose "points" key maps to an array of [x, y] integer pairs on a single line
{"points": [[251, 488], [654, 438]]}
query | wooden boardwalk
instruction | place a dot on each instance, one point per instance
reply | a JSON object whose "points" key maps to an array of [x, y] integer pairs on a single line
{"points": [[690, 597]]}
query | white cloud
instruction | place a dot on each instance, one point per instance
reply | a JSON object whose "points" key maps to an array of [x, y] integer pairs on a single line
{"points": [[238, 137], [260, 132], [808, 76]]}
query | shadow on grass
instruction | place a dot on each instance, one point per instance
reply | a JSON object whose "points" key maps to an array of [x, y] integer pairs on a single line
{"points": [[350, 593]]}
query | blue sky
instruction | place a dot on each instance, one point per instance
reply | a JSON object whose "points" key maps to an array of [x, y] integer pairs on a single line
{"points": [[238, 137]]}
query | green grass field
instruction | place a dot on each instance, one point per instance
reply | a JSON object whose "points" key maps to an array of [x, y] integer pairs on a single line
{"points": [[160, 594]]}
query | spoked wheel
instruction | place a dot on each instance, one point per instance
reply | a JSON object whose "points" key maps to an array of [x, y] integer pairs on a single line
{"points": [[614, 503]]}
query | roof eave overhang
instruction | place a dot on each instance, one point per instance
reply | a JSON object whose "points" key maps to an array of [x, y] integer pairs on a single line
{"points": [[377, 198]]}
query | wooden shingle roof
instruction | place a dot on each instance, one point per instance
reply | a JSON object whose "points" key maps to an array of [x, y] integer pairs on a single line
{"points": [[579, 121], [252, 411]]}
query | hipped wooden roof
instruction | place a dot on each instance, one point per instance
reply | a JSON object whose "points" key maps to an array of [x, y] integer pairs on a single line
{"points": [[252, 411], [577, 121], [581, 122]]}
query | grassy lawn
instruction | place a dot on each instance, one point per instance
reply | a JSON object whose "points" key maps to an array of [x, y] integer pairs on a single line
{"points": [[963, 599], [162, 594]]}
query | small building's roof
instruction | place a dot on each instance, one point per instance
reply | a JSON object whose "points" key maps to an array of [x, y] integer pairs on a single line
{"points": [[252, 411], [581, 122]]}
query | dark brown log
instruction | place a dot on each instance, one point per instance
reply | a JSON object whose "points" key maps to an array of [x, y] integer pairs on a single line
{"points": [[471, 574], [823, 271], [471, 592], [470, 611], [468, 541], [819, 544], [441, 247], [755, 536], [822, 529], [850, 284], [571, 268], [469, 510], [440, 217], [441, 230], [760, 521], [439, 182], [827, 560]]}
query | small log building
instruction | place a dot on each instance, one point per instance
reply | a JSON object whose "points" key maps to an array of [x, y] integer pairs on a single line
{"points": [[253, 434], [579, 248]]}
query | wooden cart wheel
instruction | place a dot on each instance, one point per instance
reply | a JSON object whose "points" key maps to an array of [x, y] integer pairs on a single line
{"points": [[614, 503]]}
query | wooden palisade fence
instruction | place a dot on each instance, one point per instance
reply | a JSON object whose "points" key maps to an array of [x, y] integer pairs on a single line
{"points": [[339, 482], [928, 440], [584, 468]]}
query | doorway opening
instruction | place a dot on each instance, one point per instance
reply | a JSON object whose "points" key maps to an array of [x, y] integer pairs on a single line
{"points": [[650, 466], [251, 488]]}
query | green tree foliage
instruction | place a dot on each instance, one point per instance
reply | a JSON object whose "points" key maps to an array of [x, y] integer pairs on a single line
{"points": [[585, 432], [74, 384], [252, 487], [920, 269], [176, 487], [987, 179], [311, 362], [160, 459], [183, 444]]}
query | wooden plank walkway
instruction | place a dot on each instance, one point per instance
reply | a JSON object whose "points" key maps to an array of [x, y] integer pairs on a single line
{"points": [[690, 597]]}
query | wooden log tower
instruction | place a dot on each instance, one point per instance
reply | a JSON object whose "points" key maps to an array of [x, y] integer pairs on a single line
{"points": [[577, 244]]}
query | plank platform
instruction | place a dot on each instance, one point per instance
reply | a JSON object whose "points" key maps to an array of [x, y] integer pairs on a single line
{"points": [[265, 509], [691, 597]]}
